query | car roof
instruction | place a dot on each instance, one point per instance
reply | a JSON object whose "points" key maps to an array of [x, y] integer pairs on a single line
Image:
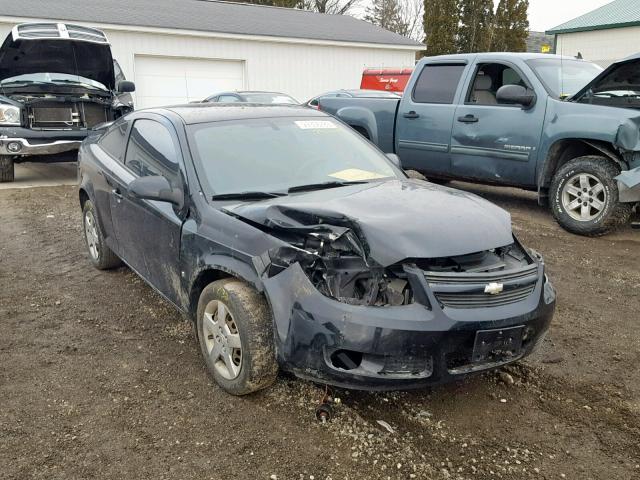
{"points": [[496, 56], [244, 92], [193, 113]]}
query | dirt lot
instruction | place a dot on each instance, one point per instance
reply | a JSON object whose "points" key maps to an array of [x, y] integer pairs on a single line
{"points": [[100, 378]]}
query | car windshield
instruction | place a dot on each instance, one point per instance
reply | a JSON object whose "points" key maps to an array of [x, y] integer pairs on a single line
{"points": [[51, 77], [564, 78], [277, 154], [270, 98]]}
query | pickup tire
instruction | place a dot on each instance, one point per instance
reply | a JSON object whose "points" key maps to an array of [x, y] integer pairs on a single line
{"points": [[101, 256], [584, 196], [235, 332], [6, 169]]}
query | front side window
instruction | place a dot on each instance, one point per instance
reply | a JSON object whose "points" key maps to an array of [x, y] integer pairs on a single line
{"points": [[275, 154], [437, 83], [114, 141], [488, 80], [151, 151]]}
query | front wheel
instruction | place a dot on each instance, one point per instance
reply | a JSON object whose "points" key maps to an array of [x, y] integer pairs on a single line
{"points": [[7, 169], [102, 257], [235, 332], [584, 196]]}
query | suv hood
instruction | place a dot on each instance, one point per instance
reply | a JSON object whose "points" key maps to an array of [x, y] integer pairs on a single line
{"points": [[623, 74], [395, 220], [57, 48]]}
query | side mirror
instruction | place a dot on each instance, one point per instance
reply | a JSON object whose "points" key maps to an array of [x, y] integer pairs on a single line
{"points": [[156, 188], [395, 159], [516, 95], [125, 86]]}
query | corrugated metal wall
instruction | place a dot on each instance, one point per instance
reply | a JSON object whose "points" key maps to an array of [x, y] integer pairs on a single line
{"points": [[601, 46], [301, 70]]}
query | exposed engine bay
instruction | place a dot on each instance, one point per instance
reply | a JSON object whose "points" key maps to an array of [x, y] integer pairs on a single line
{"points": [[335, 258], [77, 112]]}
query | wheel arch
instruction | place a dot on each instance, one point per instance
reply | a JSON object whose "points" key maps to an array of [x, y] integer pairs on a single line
{"points": [[566, 149]]}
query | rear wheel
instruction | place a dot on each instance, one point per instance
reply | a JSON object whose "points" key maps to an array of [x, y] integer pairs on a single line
{"points": [[6, 169], [235, 333], [584, 196], [100, 254]]}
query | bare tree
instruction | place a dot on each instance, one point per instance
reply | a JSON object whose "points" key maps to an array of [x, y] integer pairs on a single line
{"points": [[410, 13], [336, 7]]}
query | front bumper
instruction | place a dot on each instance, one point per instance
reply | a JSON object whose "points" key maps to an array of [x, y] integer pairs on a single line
{"points": [[23, 147], [389, 348]]}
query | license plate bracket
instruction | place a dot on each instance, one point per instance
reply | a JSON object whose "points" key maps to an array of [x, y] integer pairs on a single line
{"points": [[498, 344]]}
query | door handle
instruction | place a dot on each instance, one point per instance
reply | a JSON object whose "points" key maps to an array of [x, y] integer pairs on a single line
{"points": [[116, 193], [410, 114], [469, 118]]}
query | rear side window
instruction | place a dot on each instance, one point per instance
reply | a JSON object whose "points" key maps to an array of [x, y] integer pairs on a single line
{"points": [[114, 141], [437, 83], [151, 151], [228, 98]]}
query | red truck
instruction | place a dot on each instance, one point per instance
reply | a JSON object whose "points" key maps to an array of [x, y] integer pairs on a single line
{"points": [[391, 79]]}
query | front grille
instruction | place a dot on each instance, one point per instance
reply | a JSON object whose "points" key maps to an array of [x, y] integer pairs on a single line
{"points": [[480, 300], [466, 290], [39, 30]]}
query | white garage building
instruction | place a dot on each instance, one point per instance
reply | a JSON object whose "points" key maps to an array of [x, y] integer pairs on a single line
{"points": [[603, 35], [179, 51]]}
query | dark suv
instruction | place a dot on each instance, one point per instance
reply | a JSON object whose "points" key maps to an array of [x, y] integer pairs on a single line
{"points": [[292, 242], [57, 81]]}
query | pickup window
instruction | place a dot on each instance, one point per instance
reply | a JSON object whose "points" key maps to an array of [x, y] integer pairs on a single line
{"points": [[437, 83], [488, 79]]}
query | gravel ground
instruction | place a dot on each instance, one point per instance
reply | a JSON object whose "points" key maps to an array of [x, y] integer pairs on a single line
{"points": [[100, 378]]}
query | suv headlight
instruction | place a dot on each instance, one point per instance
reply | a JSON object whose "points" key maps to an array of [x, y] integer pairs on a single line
{"points": [[9, 115]]}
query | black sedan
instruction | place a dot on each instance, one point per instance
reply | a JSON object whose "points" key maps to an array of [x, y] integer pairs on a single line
{"points": [[294, 243]]}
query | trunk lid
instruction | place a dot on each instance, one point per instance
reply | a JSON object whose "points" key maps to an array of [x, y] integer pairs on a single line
{"points": [[57, 48]]}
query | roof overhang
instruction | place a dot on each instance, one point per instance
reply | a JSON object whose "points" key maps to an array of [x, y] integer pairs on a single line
{"points": [[607, 26], [203, 34]]}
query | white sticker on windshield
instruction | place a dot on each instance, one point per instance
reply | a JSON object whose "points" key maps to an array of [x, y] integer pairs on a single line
{"points": [[314, 124]]}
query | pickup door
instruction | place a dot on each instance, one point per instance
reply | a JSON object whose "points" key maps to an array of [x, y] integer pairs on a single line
{"points": [[491, 141], [425, 117]]}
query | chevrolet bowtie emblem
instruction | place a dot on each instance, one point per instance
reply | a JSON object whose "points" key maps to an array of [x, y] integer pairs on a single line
{"points": [[493, 288]]}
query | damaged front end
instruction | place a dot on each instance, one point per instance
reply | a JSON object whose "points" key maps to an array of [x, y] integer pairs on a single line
{"points": [[343, 318]]}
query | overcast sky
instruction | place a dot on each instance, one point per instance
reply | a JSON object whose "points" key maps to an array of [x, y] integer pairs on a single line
{"points": [[546, 14]]}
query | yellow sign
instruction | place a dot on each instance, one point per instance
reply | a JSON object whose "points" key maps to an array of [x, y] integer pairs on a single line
{"points": [[545, 48]]}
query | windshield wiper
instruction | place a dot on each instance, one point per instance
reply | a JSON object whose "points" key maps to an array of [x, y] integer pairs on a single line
{"points": [[247, 195], [323, 185]]}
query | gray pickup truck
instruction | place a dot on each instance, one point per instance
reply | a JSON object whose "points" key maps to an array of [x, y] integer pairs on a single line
{"points": [[557, 125]]}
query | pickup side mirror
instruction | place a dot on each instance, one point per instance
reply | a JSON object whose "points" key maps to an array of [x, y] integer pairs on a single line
{"points": [[516, 95], [156, 188], [395, 159], [125, 86]]}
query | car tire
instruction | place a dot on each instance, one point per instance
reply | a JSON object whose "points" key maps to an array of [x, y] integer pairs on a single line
{"points": [[584, 196], [239, 352], [7, 169], [101, 256]]}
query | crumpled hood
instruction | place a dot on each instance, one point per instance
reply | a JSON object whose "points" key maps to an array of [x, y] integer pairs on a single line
{"points": [[396, 219], [57, 48]]}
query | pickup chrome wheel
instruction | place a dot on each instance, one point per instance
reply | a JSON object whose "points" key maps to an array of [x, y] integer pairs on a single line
{"points": [[584, 196], [235, 333], [101, 256]]}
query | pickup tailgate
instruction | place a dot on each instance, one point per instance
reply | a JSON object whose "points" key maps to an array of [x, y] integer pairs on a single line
{"points": [[375, 118]]}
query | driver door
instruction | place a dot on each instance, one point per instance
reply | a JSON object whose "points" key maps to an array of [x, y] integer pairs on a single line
{"points": [[149, 231]]}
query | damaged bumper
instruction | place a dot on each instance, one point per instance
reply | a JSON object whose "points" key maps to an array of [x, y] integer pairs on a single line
{"points": [[629, 185], [23, 147], [448, 331]]}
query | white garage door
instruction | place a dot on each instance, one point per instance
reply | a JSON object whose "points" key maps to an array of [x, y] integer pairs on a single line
{"points": [[172, 80]]}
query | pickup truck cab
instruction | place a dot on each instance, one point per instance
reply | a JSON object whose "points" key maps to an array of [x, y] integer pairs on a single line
{"points": [[557, 125], [57, 82]]}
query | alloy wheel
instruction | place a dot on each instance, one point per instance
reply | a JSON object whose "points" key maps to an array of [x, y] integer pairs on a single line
{"points": [[222, 339], [584, 197], [91, 234]]}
